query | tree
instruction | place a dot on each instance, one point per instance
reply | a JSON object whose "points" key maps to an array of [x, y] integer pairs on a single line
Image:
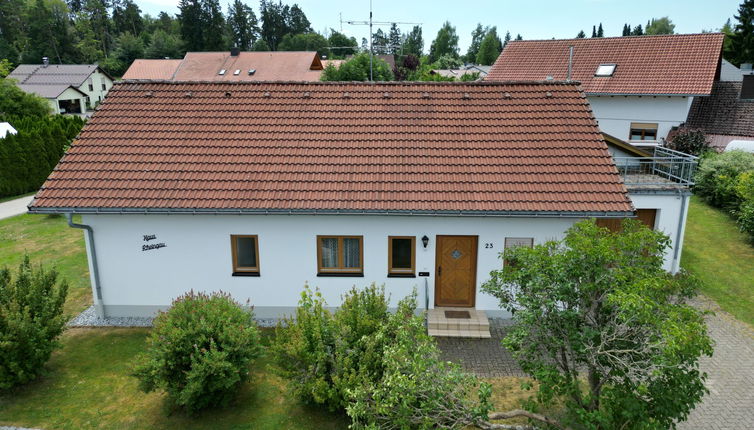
{"points": [[476, 41], [626, 30], [16, 102], [99, 21], [260, 45], [490, 48], [728, 52], [297, 21], [581, 35], [164, 45], [357, 69], [446, 43], [5, 68], [243, 24], [127, 17], [380, 42], [594, 31], [214, 26], [341, 45], [127, 48], [49, 33], [637, 31], [275, 22], [413, 43], [660, 26], [192, 26], [12, 28], [600, 31], [507, 38], [599, 304], [518, 37], [305, 42], [742, 41], [395, 39]]}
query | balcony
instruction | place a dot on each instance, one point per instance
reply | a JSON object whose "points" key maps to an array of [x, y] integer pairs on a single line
{"points": [[666, 169]]}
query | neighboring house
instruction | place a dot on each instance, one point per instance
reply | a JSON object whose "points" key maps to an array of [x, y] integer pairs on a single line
{"points": [[639, 87], [70, 88], [731, 73], [257, 188], [6, 129], [231, 66], [727, 115], [468, 69]]}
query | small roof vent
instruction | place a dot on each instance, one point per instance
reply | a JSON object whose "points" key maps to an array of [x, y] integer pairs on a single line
{"points": [[252, 71], [605, 70], [237, 72], [507, 95], [149, 94], [549, 78], [346, 95], [548, 95], [266, 94], [466, 96], [425, 95], [307, 95], [385, 95], [188, 95], [221, 72], [227, 94]]}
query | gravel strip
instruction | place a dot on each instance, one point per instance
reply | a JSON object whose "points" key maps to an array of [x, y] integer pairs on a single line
{"points": [[89, 318]]}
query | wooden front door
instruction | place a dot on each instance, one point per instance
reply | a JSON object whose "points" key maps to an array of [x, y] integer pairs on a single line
{"points": [[455, 280]]}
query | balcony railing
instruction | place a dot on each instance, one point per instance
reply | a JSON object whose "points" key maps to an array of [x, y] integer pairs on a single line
{"points": [[665, 169]]}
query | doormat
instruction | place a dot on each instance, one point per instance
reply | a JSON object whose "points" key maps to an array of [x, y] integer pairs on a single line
{"points": [[457, 314]]}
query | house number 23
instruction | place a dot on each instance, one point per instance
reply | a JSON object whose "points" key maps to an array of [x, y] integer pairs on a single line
{"points": [[488, 245]]}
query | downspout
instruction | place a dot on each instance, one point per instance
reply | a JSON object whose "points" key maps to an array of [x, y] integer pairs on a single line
{"points": [[679, 232], [99, 307]]}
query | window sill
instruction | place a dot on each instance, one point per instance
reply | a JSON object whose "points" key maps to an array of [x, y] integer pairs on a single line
{"points": [[252, 274], [401, 275], [340, 275]]}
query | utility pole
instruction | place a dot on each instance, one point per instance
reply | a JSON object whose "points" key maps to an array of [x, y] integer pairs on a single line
{"points": [[370, 23]]}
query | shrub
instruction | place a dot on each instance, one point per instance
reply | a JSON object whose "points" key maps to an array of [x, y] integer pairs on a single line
{"points": [[199, 351], [325, 354], [31, 319], [718, 177], [692, 142], [417, 390], [746, 218]]}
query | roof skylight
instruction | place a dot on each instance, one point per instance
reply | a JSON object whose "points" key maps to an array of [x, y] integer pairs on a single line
{"points": [[237, 72], [221, 72], [605, 70]]}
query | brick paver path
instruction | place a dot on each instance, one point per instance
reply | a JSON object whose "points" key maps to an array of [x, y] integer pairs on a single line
{"points": [[730, 402], [728, 406]]}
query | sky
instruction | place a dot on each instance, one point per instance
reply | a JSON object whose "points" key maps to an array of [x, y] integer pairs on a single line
{"points": [[543, 19]]}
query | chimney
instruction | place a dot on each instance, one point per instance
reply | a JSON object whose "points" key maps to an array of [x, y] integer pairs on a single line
{"points": [[570, 63], [234, 51], [45, 61]]}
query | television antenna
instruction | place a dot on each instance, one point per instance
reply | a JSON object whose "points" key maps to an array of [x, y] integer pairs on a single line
{"points": [[370, 23]]}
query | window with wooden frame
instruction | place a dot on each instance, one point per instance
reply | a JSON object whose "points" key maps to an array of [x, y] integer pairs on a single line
{"points": [[515, 242], [245, 254], [643, 131], [340, 255], [401, 256]]}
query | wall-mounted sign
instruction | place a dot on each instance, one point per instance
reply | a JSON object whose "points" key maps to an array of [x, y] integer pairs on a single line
{"points": [[151, 246]]}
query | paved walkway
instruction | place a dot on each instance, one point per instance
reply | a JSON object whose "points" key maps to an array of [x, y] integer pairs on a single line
{"points": [[728, 406], [14, 207]]}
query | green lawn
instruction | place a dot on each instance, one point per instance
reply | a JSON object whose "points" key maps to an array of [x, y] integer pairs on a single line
{"points": [[723, 257], [88, 386], [48, 240]]}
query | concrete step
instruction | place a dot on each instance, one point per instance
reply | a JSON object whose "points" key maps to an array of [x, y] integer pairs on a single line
{"points": [[440, 325]]}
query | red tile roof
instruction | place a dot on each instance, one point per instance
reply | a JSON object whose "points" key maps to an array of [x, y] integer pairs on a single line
{"points": [[152, 69], [670, 64], [492, 148]]}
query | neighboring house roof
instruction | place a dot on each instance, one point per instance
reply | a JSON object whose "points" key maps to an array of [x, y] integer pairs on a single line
{"points": [[267, 66], [457, 74], [723, 112], [681, 64], [48, 91], [720, 141], [625, 146], [152, 69], [6, 129], [54, 74], [340, 147]]}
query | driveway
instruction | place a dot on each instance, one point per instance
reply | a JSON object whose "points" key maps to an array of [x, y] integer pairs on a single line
{"points": [[730, 370], [14, 207]]}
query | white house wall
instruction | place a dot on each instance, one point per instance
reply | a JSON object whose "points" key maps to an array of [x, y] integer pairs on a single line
{"points": [[197, 256], [670, 218], [615, 114], [97, 94]]}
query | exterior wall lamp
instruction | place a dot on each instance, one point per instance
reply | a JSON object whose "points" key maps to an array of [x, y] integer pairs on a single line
{"points": [[425, 241]]}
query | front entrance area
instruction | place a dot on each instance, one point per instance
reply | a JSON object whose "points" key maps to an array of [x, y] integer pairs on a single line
{"points": [[455, 282]]}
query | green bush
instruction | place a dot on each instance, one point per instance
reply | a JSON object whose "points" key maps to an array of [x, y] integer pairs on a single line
{"points": [[31, 319], [746, 218], [357, 69], [325, 354], [692, 142], [199, 351], [717, 179], [417, 389]]}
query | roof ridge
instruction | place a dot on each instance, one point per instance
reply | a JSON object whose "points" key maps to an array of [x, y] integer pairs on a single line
{"points": [[491, 83], [645, 36]]}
